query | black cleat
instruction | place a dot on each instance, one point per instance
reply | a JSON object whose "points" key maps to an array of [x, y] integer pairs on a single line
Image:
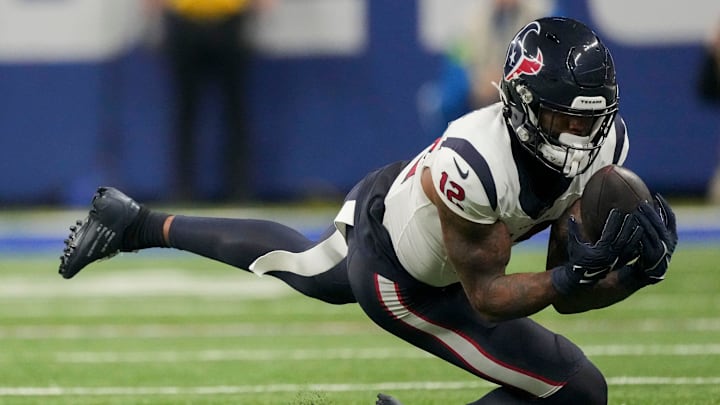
{"points": [[100, 235], [384, 399]]}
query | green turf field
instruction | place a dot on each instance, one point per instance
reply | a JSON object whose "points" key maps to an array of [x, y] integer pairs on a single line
{"points": [[163, 328]]}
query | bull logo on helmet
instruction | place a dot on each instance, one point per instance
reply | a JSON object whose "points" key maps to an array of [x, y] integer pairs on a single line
{"points": [[520, 60]]}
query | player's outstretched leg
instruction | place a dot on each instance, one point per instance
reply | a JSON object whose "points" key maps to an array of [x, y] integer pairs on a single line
{"points": [[116, 223], [100, 234]]}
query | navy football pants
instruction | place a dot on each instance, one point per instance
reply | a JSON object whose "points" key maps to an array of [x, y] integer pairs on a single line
{"points": [[526, 359]]}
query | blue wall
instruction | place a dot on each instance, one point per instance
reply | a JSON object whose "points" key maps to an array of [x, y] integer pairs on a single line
{"points": [[673, 135], [318, 124]]}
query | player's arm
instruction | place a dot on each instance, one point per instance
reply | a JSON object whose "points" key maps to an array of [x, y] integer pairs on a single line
{"points": [[557, 244], [480, 254]]}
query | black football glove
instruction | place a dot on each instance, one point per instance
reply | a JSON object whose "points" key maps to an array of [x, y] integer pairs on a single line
{"points": [[658, 241], [588, 263]]}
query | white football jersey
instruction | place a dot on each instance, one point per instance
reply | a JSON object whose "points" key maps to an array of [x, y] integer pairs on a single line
{"points": [[474, 172]]}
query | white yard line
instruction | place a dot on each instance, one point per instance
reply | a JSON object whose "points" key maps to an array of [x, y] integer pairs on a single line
{"points": [[239, 355], [153, 282], [172, 356], [242, 329], [160, 331], [653, 350], [349, 387]]}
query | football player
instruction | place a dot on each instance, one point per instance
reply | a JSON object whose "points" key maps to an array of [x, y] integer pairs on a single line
{"points": [[422, 245]]}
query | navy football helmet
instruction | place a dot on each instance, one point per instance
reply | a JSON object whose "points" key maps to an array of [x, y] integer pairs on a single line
{"points": [[559, 92]]}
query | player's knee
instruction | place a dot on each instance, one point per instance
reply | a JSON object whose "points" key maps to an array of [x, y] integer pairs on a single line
{"points": [[588, 386]]}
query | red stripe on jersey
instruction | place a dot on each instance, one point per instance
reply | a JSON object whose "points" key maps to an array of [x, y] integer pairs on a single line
{"points": [[413, 168]]}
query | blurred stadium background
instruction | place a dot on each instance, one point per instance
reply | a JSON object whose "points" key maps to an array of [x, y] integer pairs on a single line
{"points": [[335, 87], [335, 92]]}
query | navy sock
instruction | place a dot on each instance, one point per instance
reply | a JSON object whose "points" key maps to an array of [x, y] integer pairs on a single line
{"points": [[146, 231]]}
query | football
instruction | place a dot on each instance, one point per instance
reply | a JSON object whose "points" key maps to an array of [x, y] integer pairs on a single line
{"points": [[610, 187]]}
